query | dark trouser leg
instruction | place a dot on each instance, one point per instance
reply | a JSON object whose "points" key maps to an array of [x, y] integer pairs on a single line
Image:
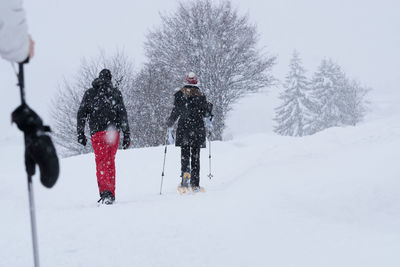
{"points": [[195, 178], [185, 165], [185, 159]]}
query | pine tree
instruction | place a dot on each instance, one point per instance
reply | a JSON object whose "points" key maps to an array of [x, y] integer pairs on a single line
{"points": [[295, 113], [339, 101], [327, 94]]}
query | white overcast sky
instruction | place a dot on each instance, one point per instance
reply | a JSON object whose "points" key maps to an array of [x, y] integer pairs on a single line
{"points": [[363, 36]]}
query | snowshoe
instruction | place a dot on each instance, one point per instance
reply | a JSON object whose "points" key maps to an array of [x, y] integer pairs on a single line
{"points": [[183, 189]]}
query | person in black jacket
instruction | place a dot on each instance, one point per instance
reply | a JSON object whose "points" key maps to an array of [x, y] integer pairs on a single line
{"points": [[194, 113], [103, 107]]}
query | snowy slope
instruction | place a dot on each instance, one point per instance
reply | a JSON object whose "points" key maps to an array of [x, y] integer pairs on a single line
{"points": [[325, 200]]}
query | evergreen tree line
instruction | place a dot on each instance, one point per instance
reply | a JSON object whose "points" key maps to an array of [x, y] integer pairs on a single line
{"points": [[328, 99]]}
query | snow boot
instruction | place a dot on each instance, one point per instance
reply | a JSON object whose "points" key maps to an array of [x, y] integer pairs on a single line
{"points": [[195, 185], [197, 189], [106, 197], [183, 188], [185, 179]]}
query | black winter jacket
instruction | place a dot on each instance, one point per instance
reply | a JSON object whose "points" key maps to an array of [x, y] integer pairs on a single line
{"points": [[104, 108], [191, 107]]}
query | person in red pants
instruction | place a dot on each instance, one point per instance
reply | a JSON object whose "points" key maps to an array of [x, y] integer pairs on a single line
{"points": [[103, 107]]}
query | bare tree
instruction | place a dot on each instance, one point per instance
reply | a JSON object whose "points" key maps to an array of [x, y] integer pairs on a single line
{"points": [[355, 104], [153, 103], [216, 43], [66, 103]]}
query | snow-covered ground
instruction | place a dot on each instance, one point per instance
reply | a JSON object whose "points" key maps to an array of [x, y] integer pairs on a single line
{"points": [[328, 200], [331, 199]]}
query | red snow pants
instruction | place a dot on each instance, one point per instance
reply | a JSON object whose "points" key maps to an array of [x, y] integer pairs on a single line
{"points": [[105, 145]]}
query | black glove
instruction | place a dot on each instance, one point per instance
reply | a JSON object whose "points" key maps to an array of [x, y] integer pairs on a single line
{"points": [[82, 139], [126, 143], [39, 147], [27, 120], [40, 150], [209, 110]]}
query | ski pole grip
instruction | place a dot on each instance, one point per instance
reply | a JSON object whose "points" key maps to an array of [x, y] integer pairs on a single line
{"points": [[21, 81]]}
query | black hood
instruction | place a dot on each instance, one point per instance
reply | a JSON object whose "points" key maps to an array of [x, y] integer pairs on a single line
{"points": [[101, 84]]}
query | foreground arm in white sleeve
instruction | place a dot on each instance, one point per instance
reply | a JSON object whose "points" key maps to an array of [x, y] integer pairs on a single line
{"points": [[15, 42]]}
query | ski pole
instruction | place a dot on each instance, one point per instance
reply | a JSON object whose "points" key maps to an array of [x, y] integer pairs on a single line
{"points": [[209, 155], [21, 84], [33, 222], [165, 156]]}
